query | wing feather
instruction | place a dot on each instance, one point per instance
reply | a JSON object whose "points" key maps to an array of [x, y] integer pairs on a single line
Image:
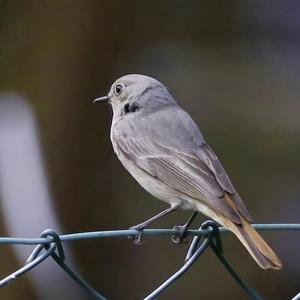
{"points": [[167, 144], [195, 182], [206, 154]]}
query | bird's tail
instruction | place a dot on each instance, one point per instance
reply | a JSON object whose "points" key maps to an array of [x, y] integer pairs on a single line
{"points": [[254, 243]]}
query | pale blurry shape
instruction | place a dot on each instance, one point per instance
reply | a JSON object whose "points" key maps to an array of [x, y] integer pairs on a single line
{"points": [[25, 199]]}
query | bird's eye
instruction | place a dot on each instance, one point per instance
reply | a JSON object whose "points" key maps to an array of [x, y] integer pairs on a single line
{"points": [[119, 88]]}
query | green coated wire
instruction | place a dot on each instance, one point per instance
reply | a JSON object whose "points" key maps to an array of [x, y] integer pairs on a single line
{"points": [[128, 232], [49, 237], [297, 297], [77, 278], [188, 263], [248, 290]]}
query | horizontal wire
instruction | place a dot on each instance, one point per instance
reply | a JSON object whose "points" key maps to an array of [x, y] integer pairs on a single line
{"points": [[55, 239], [128, 232]]}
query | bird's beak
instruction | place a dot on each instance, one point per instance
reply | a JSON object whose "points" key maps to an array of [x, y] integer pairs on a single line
{"points": [[103, 99]]}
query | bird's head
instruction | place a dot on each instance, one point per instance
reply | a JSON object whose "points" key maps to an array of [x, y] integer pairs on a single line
{"points": [[134, 92]]}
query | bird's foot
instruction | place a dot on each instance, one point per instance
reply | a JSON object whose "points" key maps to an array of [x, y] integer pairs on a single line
{"points": [[137, 238], [180, 237]]}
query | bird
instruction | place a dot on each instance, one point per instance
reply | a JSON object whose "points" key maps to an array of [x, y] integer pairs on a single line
{"points": [[164, 150]]}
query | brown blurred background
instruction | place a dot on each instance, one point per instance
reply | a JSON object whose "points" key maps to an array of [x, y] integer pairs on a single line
{"points": [[233, 65]]}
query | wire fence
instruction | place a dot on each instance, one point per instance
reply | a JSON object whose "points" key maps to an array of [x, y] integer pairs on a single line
{"points": [[207, 236]]}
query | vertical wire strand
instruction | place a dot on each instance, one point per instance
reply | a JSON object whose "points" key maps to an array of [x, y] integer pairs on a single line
{"points": [[248, 290], [52, 244], [180, 272]]}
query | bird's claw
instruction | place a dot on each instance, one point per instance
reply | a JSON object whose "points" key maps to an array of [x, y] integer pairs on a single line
{"points": [[137, 238], [179, 237]]}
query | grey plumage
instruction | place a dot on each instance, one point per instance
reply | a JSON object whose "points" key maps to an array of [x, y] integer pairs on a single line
{"points": [[164, 150], [163, 141], [176, 155]]}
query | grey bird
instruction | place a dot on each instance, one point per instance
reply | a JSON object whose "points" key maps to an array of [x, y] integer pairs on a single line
{"points": [[163, 149]]}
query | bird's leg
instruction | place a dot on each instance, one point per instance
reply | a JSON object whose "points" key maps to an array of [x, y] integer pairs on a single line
{"points": [[182, 230], [137, 239]]}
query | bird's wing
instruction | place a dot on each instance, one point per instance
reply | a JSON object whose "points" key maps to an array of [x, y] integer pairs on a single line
{"points": [[167, 145], [207, 155]]}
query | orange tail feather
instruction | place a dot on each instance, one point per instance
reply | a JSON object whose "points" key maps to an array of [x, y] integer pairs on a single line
{"points": [[254, 243], [251, 239]]}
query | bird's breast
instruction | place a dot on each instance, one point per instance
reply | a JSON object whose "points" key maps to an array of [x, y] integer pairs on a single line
{"points": [[151, 184]]}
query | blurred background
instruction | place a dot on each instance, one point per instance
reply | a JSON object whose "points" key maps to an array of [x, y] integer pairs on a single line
{"points": [[233, 65]]}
